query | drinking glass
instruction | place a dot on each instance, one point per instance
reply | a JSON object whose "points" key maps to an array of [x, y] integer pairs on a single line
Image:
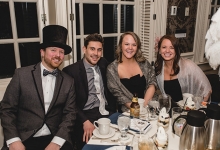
{"points": [[153, 107], [198, 101], [141, 123], [145, 143], [176, 111], [123, 125], [165, 101]]}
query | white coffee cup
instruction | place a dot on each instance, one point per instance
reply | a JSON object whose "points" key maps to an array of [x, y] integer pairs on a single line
{"points": [[103, 126], [186, 95], [141, 103]]}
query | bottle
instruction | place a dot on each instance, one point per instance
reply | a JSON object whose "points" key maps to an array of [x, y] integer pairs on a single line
{"points": [[135, 107]]}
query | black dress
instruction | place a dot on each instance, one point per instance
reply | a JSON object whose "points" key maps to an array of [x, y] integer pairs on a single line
{"points": [[135, 84], [172, 88]]}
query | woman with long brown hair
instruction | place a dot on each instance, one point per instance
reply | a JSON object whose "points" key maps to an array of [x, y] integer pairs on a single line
{"points": [[176, 75]]}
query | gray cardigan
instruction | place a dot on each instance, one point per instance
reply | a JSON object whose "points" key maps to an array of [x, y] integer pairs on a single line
{"points": [[119, 90]]}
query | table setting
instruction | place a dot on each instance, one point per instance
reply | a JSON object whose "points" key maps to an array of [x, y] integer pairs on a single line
{"points": [[131, 131], [153, 129]]}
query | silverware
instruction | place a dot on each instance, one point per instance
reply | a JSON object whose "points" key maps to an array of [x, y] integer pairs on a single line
{"points": [[109, 140], [129, 131], [96, 138]]}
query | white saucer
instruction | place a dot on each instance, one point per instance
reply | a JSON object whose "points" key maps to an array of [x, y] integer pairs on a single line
{"points": [[110, 134]]}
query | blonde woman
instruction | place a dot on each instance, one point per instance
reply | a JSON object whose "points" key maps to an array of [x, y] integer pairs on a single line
{"points": [[130, 72]]}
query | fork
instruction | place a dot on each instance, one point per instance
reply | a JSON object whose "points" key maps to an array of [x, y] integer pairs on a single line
{"points": [[109, 140]]}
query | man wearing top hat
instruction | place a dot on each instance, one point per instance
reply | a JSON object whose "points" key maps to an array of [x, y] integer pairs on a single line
{"points": [[38, 109]]}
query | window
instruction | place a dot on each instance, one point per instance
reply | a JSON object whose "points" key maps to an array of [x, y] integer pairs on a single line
{"points": [[109, 18], [19, 35], [215, 5]]}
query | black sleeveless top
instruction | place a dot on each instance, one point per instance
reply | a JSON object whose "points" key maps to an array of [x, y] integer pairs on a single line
{"points": [[172, 88], [135, 84]]}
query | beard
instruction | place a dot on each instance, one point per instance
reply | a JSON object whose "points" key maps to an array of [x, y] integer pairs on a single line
{"points": [[53, 63]]}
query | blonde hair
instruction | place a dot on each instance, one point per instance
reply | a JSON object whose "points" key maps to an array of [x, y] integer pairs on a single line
{"points": [[138, 56]]}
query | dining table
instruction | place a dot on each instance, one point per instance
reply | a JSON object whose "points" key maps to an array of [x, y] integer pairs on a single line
{"points": [[132, 143]]}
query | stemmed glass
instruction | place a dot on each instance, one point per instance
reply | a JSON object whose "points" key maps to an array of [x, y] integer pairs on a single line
{"points": [[153, 107], [141, 123], [123, 125], [165, 101]]}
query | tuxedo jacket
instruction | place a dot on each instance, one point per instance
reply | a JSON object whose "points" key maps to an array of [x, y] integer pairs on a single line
{"points": [[78, 72], [23, 111]]}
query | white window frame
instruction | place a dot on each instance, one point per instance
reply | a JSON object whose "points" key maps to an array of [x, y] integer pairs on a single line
{"points": [[4, 82], [150, 28], [101, 2]]}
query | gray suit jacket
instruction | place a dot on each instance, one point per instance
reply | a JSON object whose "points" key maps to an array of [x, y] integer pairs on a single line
{"points": [[22, 108]]}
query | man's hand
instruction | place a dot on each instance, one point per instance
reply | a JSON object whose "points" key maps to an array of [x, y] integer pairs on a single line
{"points": [[88, 128], [52, 146], [17, 145]]}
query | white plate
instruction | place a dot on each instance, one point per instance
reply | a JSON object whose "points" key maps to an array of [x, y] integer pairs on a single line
{"points": [[110, 134], [181, 104]]}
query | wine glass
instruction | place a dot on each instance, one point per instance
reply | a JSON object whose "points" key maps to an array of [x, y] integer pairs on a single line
{"points": [[165, 101], [123, 125], [153, 107], [141, 123]]}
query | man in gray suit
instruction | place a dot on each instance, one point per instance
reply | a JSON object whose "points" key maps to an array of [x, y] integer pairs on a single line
{"points": [[38, 109]]}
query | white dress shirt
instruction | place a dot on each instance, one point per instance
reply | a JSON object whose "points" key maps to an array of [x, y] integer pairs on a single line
{"points": [[48, 84]]}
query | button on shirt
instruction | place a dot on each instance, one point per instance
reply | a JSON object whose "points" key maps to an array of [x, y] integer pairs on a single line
{"points": [[48, 85], [93, 100]]}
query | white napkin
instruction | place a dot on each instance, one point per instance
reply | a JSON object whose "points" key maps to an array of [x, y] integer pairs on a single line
{"points": [[117, 148], [134, 127]]}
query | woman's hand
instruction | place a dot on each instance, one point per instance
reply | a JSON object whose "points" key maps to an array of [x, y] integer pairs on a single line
{"points": [[128, 105], [149, 94], [206, 98]]}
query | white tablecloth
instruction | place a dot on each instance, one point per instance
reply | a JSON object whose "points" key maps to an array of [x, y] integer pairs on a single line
{"points": [[172, 145]]}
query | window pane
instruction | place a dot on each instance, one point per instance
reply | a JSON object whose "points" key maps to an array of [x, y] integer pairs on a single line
{"points": [[127, 21], [110, 19], [7, 61], [5, 25], [77, 20], [29, 53], [218, 3], [110, 44], [78, 49], [26, 19], [91, 18], [212, 11], [213, 2]]}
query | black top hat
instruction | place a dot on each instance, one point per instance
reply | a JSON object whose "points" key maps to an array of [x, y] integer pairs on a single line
{"points": [[55, 36]]}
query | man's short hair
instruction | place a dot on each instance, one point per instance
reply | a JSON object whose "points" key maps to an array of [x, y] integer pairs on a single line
{"points": [[93, 37]]}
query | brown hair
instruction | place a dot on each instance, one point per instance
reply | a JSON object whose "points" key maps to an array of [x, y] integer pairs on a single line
{"points": [[93, 37], [138, 56], [159, 61]]}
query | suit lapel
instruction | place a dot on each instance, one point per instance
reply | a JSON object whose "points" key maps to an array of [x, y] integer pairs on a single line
{"points": [[83, 77], [36, 73], [58, 84]]}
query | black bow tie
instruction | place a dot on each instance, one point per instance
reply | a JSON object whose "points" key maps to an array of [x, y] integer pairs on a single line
{"points": [[46, 72]]}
